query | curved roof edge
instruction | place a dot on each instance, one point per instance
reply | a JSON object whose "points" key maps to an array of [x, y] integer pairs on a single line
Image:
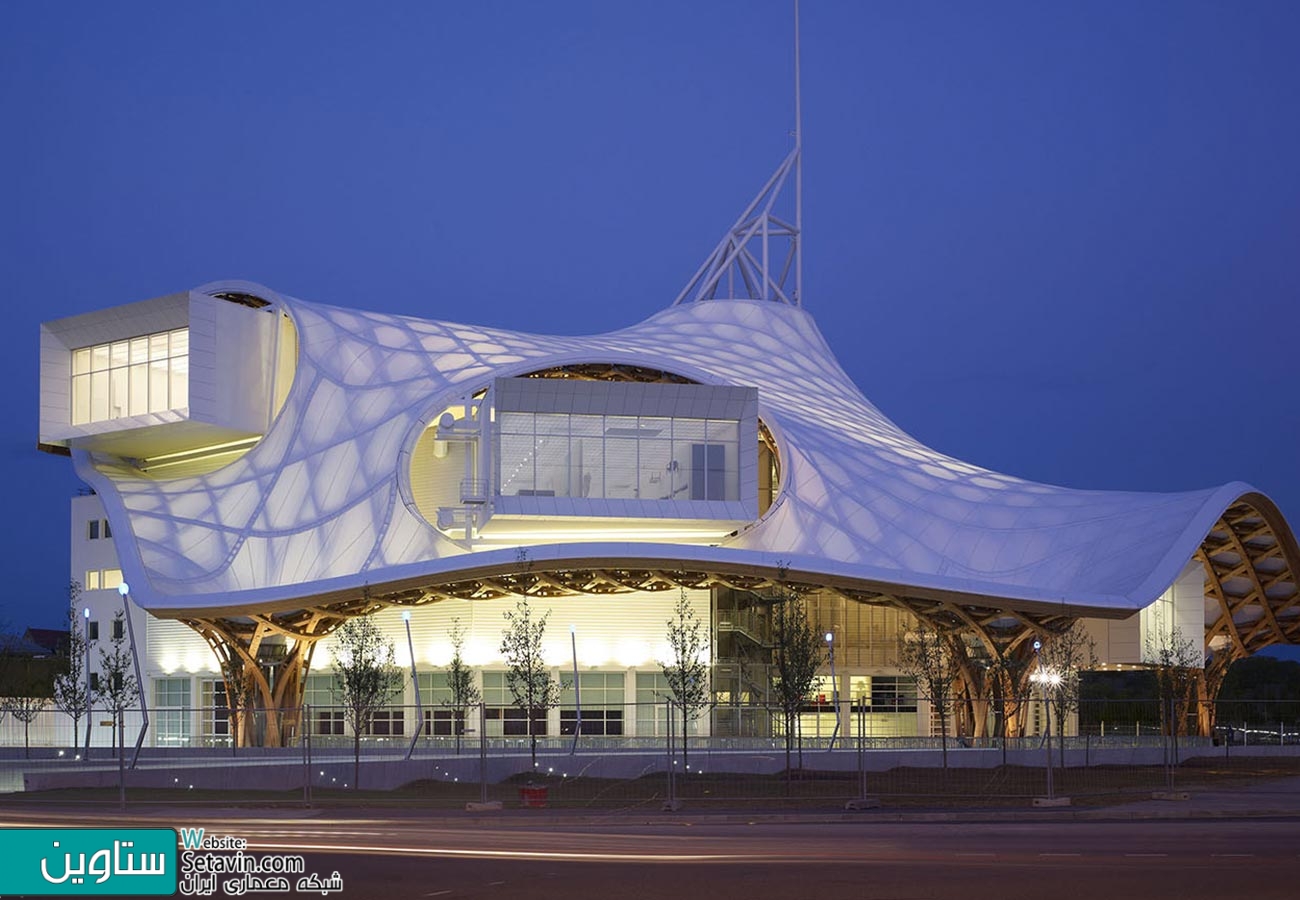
{"points": [[801, 571]]}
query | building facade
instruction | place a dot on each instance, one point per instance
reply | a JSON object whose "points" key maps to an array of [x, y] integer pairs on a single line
{"points": [[264, 468]]}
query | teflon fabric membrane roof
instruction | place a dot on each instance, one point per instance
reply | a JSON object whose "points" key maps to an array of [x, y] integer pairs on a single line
{"points": [[320, 505]]}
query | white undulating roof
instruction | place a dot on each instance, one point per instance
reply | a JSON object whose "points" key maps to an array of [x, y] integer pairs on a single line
{"points": [[320, 506]]}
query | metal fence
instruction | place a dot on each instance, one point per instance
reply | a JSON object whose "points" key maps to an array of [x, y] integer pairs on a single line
{"points": [[636, 756]]}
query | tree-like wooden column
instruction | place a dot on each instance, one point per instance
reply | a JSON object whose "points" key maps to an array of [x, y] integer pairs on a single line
{"points": [[993, 647], [1250, 560]]}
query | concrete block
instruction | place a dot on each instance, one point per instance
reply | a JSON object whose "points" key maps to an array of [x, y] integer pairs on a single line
{"points": [[865, 803]]}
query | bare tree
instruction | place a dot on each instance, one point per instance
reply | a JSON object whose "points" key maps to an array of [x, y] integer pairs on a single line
{"points": [[800, 652], [29, 702], [119, 688], [1178, 662], [366, 679], [527, 675], [1068, 654], [72, 696], [929, 660], [460, 682], [686, 673]]}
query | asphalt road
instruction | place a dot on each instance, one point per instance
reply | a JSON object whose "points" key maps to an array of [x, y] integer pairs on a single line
{"points": [[406, 858]]}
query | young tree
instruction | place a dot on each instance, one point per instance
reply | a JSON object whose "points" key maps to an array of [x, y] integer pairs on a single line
{"points": [[28, 703], [800, 652], [527, 675], [72, 697], [460, 682], [927, 658], [366, 679], [686, 673], [119, 689], [1177, 662], [1068, 654]]}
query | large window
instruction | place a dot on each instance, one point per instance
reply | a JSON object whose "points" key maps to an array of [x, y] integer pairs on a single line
{"points": [[326, 716], [601, 694], [652, 695], [439, 717], [618, 457], [132, 377], [503, 718], [214, 721], [882, 706], [171, 698]]}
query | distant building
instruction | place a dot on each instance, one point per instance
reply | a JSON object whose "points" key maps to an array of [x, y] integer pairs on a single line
{"points": [[53, 641]]}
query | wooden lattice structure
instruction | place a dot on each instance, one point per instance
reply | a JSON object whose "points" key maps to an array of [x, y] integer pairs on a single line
{"points": [[1250, 561]]}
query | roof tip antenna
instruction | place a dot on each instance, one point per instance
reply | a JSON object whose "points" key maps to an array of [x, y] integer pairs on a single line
{"points": [[798, 168]]}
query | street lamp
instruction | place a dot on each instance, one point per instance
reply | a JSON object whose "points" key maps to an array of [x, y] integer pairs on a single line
{"points": [[419, 707], [835, 689], [125, 590], [577, 694], [1046, 677], [85, 614]]}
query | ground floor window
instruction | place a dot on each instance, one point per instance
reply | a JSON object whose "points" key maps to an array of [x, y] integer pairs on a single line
{"points": [[439, 716], [171, 699], [327, 717], [601, 695], [504, 719], [652, 696], [388, 723], [214, 711], [882, 706], [444, 722]]}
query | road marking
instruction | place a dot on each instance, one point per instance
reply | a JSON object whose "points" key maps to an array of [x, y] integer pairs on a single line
{"points": [[437, 893], [385, 849], [1059, 854], [1232, 855], [1145, 855]]}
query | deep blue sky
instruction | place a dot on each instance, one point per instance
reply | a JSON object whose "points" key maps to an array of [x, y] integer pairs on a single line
{"points": [[1058, 240]]}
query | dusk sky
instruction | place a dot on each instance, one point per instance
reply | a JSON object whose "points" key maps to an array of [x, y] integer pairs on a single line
{"points": [[1060, 240]]}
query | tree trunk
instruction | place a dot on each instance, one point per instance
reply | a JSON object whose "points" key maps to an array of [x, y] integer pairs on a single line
{"points": [[532, 738], [356, 759], [684, 745], [943, 736], [789, 738]]}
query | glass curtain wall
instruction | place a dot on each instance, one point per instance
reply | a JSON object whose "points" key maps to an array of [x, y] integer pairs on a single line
{"points": [[618, 457], [144, 374]]}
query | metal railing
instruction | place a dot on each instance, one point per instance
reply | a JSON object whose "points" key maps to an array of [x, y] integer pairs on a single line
{"points": [[639, 755]]}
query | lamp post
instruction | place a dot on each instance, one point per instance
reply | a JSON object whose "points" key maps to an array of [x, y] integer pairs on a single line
{"points": [[577, 694], [835, 689], [85, 614], [1045, 677], [125, 590], [419, 707]]}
